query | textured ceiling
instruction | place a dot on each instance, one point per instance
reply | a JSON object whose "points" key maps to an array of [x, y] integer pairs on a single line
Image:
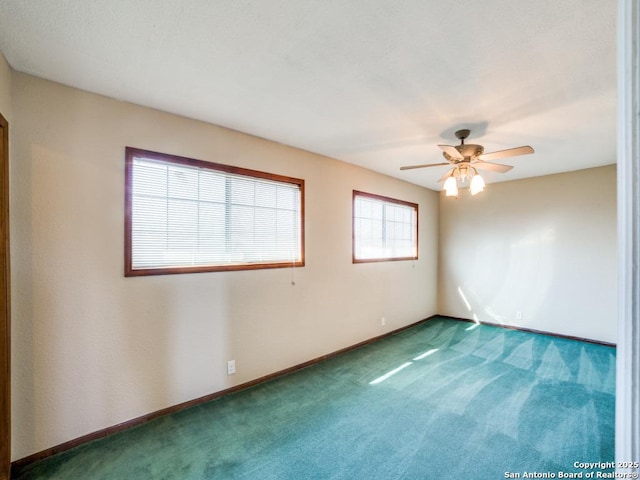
{"points": [[377, 83]]}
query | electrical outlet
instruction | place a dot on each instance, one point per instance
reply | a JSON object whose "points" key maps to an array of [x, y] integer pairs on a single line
{"points": [[231, 367], [383, 321], [518, 315]]}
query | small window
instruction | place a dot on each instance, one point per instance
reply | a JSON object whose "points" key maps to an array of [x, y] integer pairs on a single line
{"points": [[185, 216], [383, 228]]}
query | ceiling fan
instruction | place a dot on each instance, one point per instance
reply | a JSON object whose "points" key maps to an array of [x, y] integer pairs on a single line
{"points": [[466, 160]]}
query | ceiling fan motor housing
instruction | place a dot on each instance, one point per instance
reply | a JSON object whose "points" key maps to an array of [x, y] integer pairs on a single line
{"points": [[468, 151]]}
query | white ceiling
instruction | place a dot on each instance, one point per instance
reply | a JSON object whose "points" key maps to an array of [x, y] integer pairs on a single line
{"points": [[377, 83]]}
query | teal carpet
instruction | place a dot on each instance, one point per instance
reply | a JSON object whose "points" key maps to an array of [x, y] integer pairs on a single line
{"points": [[442, 400]]}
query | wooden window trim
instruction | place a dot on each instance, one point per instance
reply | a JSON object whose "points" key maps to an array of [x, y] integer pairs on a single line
{"points": [[358, 193], [131, 153]]}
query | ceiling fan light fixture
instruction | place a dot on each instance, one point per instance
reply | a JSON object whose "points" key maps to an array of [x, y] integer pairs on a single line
{"points": [[451, 187], [465, 159], [477, 184]]}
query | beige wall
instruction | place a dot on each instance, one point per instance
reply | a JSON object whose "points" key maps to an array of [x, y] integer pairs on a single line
{"points": [[5, 88], [92, 348], [544, 246]]}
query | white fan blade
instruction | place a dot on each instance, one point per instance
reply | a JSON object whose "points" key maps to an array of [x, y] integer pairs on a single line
{"points": [[410, 167], [510, 152], [451, 151], [492, 167]]}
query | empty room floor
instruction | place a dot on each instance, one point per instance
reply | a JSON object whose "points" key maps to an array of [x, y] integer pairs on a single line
{"points": [[444, 399]]}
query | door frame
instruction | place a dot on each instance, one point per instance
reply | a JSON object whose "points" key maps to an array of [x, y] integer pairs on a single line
{"points": [[627, 428]]}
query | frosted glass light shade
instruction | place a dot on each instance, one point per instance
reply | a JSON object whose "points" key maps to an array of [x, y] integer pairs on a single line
{"points": [[477, 184], [450, 187]]}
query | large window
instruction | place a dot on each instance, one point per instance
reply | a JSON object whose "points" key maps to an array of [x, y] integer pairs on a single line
{"points": [[184, 215], [383, 228]]}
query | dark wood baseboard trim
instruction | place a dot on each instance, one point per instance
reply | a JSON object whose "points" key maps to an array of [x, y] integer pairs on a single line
{"points": [[18, 465], [531, 330]]}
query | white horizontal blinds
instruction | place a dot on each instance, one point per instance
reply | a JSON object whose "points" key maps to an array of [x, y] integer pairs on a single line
{"points": [[263, 220], [368, 228], [383, 229], [399, 222], [184, 216]]}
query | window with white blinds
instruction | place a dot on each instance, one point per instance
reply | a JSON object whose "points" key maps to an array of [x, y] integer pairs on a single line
{"points": [[185, 215], [383, 228]]}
